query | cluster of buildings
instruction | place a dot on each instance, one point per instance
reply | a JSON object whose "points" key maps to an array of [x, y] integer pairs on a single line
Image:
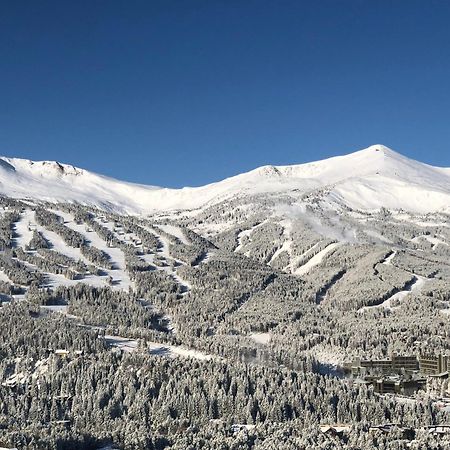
{"points": [[341, 431], [403, 375], [424, 364], [434, 364]]}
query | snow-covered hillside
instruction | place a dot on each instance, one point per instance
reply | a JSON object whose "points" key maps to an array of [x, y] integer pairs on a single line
{"points": [[55, 182], [367, 180], [280, 271]]}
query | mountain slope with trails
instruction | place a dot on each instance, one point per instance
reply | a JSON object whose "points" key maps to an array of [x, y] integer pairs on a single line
{"points": [[239, 311], [368, 179]]}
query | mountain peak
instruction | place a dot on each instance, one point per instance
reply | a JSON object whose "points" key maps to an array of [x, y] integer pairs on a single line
{"points": [[379, 148], [376, 159], [366, 179], [43, 169], [378, 151]]}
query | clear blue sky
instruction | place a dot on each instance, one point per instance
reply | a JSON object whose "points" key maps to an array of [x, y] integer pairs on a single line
{"points": [[186, 92]]}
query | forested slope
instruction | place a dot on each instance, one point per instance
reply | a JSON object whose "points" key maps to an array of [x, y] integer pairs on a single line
{"points": [[209, 331]]}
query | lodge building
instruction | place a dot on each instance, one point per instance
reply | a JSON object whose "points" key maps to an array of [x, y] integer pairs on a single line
{"points": [[423, 364]]}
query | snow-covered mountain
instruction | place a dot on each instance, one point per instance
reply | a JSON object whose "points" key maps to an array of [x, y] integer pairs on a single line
{"points": [[367, 180], [297, 266]]}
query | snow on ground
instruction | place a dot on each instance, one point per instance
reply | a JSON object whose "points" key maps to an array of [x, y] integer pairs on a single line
{"points": [[208, 257], [119, 232], [23, 228], [119, 274], [378, 236], [211, 229], [389, 258], [149, 257], [329, 355], [243, 234], [295, 261], [125, 344], [185, 285], [432, 240], [416, 285], [237, 427], [286, 247], [165, 251], [54, 280], [4, 277], [404, 217], [316, 259], [157, 348], [403, 399], [60, 309], [175, 231], [261, 338], [365, 180], [165, 243], [58, 245]]}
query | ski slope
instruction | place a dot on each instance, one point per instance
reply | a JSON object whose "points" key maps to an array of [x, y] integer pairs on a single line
{"points": [[119, 273], [315, 260]]}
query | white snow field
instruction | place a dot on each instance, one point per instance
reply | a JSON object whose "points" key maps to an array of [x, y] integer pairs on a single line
{"points": [[27, 221], [261, 338], [316, 259], [119, 273], [417, 283], [157, 348], [364, 180], [23, 228]]}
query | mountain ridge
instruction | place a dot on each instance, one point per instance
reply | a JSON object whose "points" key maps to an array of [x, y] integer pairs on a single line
{"points": [[366, 179]]}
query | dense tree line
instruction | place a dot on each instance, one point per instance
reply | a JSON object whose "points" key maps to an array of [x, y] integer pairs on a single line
{"points": [[275, 340], [7, 234], [139, 401], [18, 272], [37, 242]]}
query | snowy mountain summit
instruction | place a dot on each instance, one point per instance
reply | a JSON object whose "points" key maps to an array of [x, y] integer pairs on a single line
{"points": [[365, 180], [282, 273]]}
